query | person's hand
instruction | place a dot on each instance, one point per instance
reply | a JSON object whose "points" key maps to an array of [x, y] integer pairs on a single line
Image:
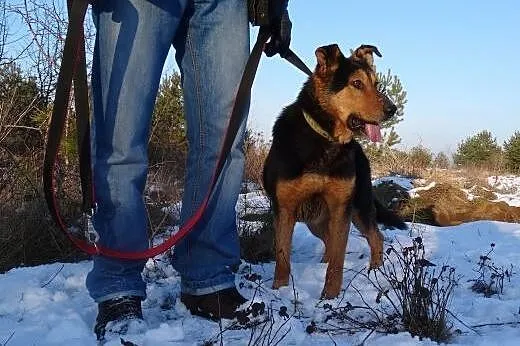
{"points": [[280, 27]]}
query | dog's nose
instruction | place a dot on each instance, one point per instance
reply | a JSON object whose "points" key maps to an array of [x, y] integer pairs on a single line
{"points": [[389, 110]]}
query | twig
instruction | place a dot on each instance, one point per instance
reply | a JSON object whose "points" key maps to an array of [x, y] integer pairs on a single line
{"points": [[462, 322], [495, 324], [366, 337], [8, 339], [331, 339], [53, 276]]}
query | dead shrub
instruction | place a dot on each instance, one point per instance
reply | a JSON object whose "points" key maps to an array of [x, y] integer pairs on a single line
{"points": [[28, 235], [256, 149], [490, 278], [422, 292], [412, 295]]}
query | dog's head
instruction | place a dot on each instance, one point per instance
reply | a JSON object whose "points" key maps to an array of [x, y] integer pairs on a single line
{"points": [[346, 88]]}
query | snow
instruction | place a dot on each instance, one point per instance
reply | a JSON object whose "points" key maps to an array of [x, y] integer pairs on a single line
{"points": [[508, 188], [49, 304], [414, 192]]}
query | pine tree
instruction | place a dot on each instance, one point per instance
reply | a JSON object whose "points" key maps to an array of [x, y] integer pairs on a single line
{"points": [[478, 150], [168, 142], [512, 153], [390, 85]]}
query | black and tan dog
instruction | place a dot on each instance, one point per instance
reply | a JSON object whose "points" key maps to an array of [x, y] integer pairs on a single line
{"points": [[317, 173]]}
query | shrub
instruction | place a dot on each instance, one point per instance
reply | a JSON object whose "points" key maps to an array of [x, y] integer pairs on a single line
{"points": [[420, 157], [441, 160], [490, 279], [512, 153], [422, 293], [256, 149], [413, 295], [479, 150]]}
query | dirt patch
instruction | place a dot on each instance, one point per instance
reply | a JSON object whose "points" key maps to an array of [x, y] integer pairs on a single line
{"points": [[446, 205]]}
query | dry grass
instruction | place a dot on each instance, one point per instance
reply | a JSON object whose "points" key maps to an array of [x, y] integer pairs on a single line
{"points": [[28, 235]]}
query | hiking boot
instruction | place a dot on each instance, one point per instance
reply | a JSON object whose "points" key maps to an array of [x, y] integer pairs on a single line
{"points": [[116, 312], [214, 306]]}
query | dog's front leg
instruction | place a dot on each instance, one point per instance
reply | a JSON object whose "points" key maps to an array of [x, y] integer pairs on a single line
{"points": [[284, 227], [339, 227]]}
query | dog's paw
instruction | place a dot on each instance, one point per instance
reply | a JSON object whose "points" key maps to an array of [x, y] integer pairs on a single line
{"points": [[277, 283], [329, 293], [376, 261]]}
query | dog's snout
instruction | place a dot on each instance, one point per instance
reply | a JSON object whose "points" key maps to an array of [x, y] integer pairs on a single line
{"points": [[390, 109]]}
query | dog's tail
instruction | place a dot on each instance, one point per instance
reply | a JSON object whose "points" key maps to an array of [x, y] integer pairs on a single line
{"points": [[388, 217]]}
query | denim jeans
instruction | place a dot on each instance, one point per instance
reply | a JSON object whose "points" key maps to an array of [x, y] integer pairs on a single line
{"points": [[211, 40]]}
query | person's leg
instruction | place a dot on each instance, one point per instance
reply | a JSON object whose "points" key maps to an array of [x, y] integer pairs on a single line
{"points": [[132, 42], [212, 54]]}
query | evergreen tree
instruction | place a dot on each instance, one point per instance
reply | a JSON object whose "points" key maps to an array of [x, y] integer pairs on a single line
{"points": [[393, 88], [512, 153], [478, 150], [390, 85], [168, 133]]}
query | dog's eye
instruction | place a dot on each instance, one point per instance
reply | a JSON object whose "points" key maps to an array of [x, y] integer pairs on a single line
{"points": [[357, 84]]}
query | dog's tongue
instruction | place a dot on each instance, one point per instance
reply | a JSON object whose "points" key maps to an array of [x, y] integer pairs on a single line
{"points": [[373, 132]]}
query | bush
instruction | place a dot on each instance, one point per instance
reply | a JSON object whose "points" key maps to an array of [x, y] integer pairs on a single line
{"points": [[412, 295], [480, 150], [512, 153], [441, 160], [420, 157], [256, 149]]}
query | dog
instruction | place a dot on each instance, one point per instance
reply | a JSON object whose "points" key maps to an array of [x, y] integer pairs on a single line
{"points": [[317, 173]]}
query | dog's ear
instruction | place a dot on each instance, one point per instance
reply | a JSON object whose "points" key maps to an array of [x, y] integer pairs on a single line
{"points": [[328, 57], [364, 53]]}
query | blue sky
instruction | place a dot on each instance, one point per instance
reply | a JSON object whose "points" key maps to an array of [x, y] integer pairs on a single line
{"points": [[456, 60]]}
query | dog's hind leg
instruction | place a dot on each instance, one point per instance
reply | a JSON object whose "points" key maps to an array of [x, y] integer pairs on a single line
{"points": [[284, 227], [364, 215], [318, 221], [368, 228], [319, 229]]}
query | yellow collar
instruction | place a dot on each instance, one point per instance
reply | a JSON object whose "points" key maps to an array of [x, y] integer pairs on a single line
{"points": [[316, 127]]}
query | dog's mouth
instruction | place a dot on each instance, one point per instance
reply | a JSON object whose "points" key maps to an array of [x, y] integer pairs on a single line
{"points": [[371, 130]]}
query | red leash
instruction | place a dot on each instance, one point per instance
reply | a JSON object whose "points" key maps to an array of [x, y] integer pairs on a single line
{"points": [[73, 68]]}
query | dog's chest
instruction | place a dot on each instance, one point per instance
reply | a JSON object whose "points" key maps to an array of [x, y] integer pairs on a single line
{"points": [[333, 161]]}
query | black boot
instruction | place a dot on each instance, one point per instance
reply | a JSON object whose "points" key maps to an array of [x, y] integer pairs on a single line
{"points": [[117, 310], [221, 304]]}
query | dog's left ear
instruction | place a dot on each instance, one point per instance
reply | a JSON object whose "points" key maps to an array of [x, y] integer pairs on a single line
{"points": [[365, 53]]}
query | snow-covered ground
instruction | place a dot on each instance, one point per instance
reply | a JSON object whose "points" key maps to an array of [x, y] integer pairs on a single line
{"points": [[508, 188], [49, 305]]}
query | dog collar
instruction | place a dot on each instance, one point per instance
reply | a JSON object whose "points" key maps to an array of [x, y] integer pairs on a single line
{"points": [[316, 127]]}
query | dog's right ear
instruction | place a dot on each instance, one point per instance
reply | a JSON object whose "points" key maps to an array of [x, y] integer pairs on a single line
{"points": [[327, 57]]}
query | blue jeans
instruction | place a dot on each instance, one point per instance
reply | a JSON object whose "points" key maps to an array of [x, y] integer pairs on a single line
{"points": [[211, 39]]}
